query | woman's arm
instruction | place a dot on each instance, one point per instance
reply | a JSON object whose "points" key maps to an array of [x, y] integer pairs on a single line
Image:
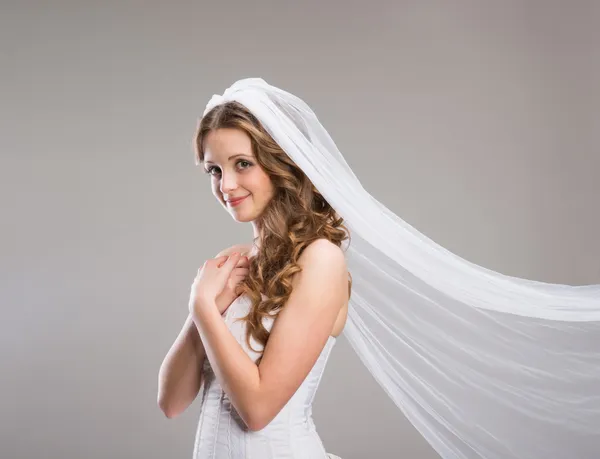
{"points": [[297, 338], [180, 375]]}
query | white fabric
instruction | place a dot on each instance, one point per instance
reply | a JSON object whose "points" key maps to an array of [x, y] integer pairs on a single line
{"points": [[483, 364], [222, 434]]}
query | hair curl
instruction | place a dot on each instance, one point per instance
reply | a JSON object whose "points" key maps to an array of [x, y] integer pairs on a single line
{"points": [[296, 216]]}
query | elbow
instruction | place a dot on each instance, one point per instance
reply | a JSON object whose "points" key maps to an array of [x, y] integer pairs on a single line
{"points": [[260, 412], [163, 407], [258, 420], [169, 414], [256, 425], [166, 409]]}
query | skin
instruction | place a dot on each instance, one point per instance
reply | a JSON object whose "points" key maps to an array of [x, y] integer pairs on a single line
{"points": [[238, 176], [316, 309]]}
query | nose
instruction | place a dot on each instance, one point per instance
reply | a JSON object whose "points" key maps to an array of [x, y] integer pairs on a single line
{"points": [[228, 182]]}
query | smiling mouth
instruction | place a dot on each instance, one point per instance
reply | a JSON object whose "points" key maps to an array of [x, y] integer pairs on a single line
{"points": [[236, 201]]}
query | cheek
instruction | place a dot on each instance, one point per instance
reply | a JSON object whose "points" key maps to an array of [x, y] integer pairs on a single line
{"points": [[255, 184], [215, 189], [268, 188], [264, 184]]}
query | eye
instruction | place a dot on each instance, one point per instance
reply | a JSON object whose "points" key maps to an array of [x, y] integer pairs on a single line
{"points": [[209, 170]]}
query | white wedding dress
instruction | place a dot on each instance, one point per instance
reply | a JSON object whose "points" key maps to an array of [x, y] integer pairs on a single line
{"points": [[222, 434]]}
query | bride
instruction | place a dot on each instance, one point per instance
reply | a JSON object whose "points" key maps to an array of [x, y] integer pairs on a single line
{"points": [[290, 289], [484, 365]]}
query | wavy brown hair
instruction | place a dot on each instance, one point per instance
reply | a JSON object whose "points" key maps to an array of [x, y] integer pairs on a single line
{"points": [[296, 216]]}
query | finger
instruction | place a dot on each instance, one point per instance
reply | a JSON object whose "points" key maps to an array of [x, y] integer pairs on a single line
{"points": [[231, 262], [220, 263], [239, 274], [219, 260], [234, 258], [244, 261]]}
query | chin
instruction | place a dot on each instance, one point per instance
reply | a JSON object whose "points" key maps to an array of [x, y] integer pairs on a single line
{"points": [[244, 217], [242, 220]]}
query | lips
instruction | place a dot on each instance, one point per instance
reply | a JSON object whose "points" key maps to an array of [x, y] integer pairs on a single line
{"points": [[236, 201]]}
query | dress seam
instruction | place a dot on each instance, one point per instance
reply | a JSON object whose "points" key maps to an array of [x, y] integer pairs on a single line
{"points": [[215, 439], [229, 433], [201, 423], [291, 438]]}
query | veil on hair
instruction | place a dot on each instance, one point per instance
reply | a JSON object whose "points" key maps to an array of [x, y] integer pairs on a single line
{"points": [[484, 365]]}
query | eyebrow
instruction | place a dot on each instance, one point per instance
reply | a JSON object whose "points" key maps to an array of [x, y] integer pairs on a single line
{"points": [[230, 158]]}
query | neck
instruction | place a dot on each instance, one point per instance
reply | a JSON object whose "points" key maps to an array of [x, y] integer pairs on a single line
{"points": [[255, 248]]}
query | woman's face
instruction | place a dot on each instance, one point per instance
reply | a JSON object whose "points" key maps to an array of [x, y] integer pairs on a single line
{"points": [[229, 160]]}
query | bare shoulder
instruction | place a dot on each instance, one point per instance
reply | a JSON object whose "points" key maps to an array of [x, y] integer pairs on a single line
{"points": [[325, 260], [242, 248], [323, 250]]}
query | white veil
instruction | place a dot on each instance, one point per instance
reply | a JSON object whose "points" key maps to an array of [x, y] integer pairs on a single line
{"points": [[484, 365]]}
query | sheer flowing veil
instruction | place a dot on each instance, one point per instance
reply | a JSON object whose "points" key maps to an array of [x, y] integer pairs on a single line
{"points": [[484, 365]]}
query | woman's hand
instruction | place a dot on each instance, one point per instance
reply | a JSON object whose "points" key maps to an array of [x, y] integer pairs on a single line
{"points": [[229, 292], [216, 282]]}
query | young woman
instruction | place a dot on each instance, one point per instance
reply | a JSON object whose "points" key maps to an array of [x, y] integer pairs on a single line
{"points": [[469, 355], [265, 316]]}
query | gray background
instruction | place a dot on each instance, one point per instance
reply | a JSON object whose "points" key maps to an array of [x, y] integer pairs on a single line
{"points": [[476, 122]]}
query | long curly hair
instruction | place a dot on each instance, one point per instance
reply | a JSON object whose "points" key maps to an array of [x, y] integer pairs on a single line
{"points": [[296, 216]]}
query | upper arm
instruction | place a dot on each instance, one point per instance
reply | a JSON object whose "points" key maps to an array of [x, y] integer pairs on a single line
{"points": [[302, 327]]}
